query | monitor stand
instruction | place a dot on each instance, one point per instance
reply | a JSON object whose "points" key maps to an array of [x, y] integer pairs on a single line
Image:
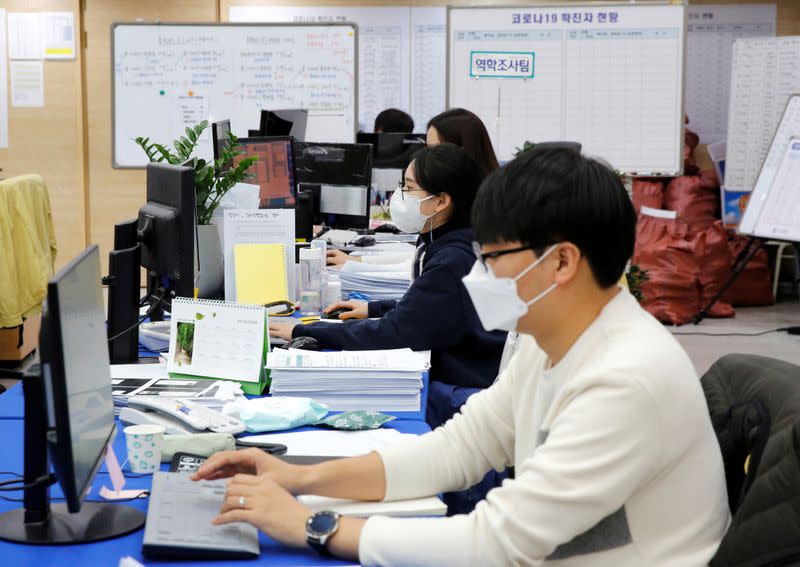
{"points": [[39, 522]]}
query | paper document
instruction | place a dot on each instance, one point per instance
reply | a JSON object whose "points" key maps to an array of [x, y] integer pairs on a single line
{"points": [[27, 84], [58, 35], [3, 82], [431, 506], [396, 359], [263, 226], [24, 35], [261, 276], [328, 443]]}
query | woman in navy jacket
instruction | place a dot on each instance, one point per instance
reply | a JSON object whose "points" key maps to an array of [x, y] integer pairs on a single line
{"points": [[435, 313]]}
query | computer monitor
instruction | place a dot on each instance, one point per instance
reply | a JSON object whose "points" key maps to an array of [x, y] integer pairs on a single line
{"points": [[290, 122], [69, 411], [124, 281], [274, 171], [167, 230], [220, 133], [392, 150], [341, 174]]}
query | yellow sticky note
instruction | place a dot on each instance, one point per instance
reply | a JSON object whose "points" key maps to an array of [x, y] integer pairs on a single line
{"points": [[260, 273]]}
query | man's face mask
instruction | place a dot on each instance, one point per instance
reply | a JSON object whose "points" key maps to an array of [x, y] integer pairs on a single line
{"points": [[496, 300]]}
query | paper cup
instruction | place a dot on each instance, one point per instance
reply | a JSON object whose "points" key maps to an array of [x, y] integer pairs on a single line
{"points": [[144, 447]]}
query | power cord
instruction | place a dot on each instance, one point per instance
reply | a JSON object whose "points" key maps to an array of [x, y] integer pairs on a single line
{"points": [[790, 330], [141, 320], [6, 486]]}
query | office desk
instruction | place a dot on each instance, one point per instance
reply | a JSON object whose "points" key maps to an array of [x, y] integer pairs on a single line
{"points": [[108, 553]]}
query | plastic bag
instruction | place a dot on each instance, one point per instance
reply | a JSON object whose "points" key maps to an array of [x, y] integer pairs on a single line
{"points": [[695, 199], [276, 413], [671, 293], [753, 286], [714, 266], [647, 193], [358, 420]]}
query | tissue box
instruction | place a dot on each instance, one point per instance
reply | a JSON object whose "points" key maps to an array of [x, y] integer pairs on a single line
{"points": [[10, 347]]}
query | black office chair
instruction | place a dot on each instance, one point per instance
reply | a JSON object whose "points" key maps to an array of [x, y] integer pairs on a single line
{"points": [[754, 403]]}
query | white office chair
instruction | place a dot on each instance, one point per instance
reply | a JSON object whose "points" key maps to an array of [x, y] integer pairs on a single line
{"points": [[779, 256]]}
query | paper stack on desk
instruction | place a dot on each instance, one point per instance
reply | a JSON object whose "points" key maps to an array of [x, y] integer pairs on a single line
{"points": [[377, 380], [375, 284]]}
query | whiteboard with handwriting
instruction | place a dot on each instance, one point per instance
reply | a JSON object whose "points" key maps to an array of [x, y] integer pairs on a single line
{"points": [[169, 76], [610, 77]]}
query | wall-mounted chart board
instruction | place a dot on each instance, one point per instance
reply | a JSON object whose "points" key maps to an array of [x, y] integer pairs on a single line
{"points": [[610, 77], [709, 44], [169, 76], [765, 73], [401, 53]]}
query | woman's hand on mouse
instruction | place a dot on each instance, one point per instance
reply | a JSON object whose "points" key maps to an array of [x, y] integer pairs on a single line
{"points": [[355, 309], [282, 330], [338, 258]]}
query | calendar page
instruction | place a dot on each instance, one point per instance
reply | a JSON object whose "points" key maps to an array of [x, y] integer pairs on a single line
{"points": [[217, 339]]}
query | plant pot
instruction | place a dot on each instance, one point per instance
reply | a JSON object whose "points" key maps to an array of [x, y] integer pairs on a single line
{"points": [[209, 249]]}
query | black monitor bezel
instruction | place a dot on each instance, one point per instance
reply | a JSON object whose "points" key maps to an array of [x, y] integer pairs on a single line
{"points": [[54, 372]]}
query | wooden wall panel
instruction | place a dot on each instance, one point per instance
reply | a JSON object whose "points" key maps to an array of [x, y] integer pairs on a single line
{"points": [[49, 140], [117, 194]]}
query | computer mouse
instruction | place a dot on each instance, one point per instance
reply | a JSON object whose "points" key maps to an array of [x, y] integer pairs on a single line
{"points": [[364, 241], [304, 343], [333, 314], [387, 228]]}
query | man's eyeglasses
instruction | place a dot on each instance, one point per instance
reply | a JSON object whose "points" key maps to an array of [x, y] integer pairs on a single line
{"points": [[483, 256]]}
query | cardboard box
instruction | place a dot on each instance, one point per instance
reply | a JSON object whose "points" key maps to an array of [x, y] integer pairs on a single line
{"points": [[10, 349]]}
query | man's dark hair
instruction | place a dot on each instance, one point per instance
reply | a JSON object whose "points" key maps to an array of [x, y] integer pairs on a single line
{"points": [[446, 168], [463, 128], [394, 120], [549, 196]]}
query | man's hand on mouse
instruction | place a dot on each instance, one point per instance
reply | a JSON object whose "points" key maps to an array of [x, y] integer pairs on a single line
{"points": [[337, 258], [355, 309], [282, 330]]}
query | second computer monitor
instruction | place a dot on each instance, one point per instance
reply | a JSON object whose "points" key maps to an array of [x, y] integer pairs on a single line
{"points": [[220, 133], [274, 172], [291, 122], [392, 150], [342, 174]]}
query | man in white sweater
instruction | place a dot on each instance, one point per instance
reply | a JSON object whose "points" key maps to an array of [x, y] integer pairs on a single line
{"points": [[600, 411]]}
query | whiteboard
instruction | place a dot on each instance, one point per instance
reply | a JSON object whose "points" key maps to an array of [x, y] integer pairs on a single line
{"points": [[610, 77], [765, 73], [776, 194], [711, 32], [169, 76], [401, 50]]}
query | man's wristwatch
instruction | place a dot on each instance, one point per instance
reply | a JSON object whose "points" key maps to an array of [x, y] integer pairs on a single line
{"points": [[319, 529]]}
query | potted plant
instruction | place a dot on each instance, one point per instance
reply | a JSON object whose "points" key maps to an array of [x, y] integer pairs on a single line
{"points": [[211, 185]]}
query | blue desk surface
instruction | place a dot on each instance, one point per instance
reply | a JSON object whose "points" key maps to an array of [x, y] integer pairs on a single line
{"points": [[108, 553]]}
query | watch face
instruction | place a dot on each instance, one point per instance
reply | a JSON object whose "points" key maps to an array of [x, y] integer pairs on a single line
{"points": [[322, 523]]}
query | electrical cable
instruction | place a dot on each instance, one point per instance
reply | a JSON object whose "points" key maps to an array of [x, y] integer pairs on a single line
{"points": [[141, 320], [762, 333], [47, 480]]}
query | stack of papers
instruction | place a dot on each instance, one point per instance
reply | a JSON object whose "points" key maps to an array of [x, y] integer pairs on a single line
{"points": [[152, 380], [377, 380], [377, 285]]}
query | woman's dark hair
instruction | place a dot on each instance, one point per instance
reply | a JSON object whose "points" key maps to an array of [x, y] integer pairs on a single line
{"points": [[446, 168], [463, 128], [393, 120], [549, 196]]}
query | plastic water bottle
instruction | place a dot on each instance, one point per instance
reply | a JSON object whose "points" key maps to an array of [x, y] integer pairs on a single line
{"points": [[310, 281], [333, 292], [322, 246]]}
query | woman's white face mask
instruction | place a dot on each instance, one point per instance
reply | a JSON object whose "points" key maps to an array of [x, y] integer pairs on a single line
{"points": [[497, 300], [405, 211]]}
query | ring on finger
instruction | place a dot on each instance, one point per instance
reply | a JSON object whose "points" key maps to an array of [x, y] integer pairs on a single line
{"points": [[242, 501]]}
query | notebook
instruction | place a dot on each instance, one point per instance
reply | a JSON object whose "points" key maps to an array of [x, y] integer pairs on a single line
{"points": [[260, 272]]}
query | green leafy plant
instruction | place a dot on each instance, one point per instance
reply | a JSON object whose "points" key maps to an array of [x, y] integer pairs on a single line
{"points": [[525, 147], [186, 337], [636, 276], [210, 183]]}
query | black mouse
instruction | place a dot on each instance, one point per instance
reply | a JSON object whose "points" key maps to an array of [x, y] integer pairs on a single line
{"points": [[364, 241], [334, 314], [304, 343], [387, 228]]}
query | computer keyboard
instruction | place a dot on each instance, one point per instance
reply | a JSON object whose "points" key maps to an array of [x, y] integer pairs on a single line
{"points": [[179, 521]]}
